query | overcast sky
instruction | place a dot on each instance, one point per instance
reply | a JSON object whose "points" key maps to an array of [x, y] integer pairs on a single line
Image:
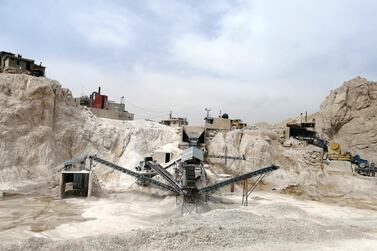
{"points": [[258, 60]]}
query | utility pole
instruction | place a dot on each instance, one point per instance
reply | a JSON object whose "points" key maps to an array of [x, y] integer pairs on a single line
{"points": [[207, 110]]}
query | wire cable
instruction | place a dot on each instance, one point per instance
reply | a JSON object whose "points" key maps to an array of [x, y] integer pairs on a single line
{"points": [[144, 109]]}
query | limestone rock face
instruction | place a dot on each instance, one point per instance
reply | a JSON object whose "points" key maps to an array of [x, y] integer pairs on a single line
{"points": [[41, 127], [349, 116], [301, 169]]}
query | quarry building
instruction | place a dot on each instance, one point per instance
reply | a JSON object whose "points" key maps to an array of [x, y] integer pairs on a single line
{"points": [[174, 122], [223, 123], [12, 63], [102, 107]]}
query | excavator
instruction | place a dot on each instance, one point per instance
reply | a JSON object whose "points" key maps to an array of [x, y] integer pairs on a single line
{"points": [[332, 150]]}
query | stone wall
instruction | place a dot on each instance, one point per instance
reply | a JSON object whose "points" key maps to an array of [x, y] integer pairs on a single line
{"points": [[112, 114]]}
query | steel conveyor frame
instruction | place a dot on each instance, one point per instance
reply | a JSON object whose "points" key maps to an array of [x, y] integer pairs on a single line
{"points": [[246, 176], [166, 175], [134, 174]]}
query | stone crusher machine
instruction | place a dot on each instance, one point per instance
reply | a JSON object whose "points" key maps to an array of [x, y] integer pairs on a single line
{"points": [[332, 151], [189, 183]]}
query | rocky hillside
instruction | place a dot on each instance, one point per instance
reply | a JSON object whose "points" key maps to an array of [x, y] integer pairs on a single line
{"points": [[349, 116], [40, 127], [301, 169]]}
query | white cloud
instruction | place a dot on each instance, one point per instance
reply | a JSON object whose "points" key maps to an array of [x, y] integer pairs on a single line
{"points": [[263, 37], [163, 91], [258, 60], [105, 28]]}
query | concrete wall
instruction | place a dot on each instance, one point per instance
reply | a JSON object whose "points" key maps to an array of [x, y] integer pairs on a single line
{"points": [[11, 63], [219, 123], [116, 106], [111, 114], [20, 65]]}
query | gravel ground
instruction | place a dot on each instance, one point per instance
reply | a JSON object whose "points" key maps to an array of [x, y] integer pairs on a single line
{"points": [[276, 225]]}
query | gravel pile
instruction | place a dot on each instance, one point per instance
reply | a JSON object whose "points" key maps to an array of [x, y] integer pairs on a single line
{"points": [[215, 230]]}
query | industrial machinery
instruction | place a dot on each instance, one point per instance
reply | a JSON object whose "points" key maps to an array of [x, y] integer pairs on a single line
{"points": [[363, 166], [189, 181], [95, 100], [335, 153], [144, 169], [101, 106], [188, 185], [98, 100], [332, 151], [305, 131], [367, 170], [227, 157]]}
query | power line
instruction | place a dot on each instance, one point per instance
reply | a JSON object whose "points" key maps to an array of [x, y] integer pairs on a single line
{"points": [[144, 109], [154, 117]]}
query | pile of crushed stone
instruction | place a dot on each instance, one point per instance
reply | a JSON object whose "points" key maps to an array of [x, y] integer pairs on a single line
{"points": [[217, 230]]}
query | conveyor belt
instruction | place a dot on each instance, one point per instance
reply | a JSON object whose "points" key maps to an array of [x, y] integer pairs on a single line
{"points": [[166, 175], [227, 157], [238, 178], [173, 163], [131, 173]]}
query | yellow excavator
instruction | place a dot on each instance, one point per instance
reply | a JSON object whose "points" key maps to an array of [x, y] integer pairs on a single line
{"points": [[334, 152]]}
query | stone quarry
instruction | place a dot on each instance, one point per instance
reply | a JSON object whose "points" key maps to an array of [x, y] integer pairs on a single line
{"points": [[308, 203]]}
